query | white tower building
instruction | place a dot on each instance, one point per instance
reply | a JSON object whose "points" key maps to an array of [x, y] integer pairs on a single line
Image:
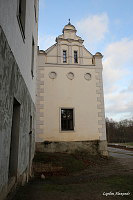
{"points": [[70, 102]]}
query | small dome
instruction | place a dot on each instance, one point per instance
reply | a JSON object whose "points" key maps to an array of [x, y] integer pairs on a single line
{"points": [[70, 27], [98, 54]]}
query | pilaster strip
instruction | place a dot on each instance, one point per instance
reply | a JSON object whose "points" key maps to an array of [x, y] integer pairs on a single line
{"points": [[40, 102], [100, 104]]}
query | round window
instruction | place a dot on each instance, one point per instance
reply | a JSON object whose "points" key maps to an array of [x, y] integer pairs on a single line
{"points": [[52, 75], [70, 75], [87, 76]]}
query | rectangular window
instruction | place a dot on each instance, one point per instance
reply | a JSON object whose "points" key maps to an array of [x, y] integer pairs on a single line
{"points": [[67, 123], [35, 9], [21, 15], [75, 57], [32, 58], [64, 56]]}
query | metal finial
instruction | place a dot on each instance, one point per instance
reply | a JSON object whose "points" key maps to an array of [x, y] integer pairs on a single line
{"points": [[69, 21]]}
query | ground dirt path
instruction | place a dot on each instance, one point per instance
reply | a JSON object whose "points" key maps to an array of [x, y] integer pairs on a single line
{"points": [[100, 179], [125, 157]]}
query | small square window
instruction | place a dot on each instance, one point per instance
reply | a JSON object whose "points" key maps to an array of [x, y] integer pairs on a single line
{"points": [[64, 56], [67, 123], [75, 57]]}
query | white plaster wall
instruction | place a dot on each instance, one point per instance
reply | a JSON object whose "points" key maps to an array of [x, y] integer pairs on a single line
{"points": [[85, 97], [79, 94], [22, 50], [84, 56], [41, 59]]}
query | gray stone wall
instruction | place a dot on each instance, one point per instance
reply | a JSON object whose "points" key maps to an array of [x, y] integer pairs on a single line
{"points": [[94, 147], [12, 86]]}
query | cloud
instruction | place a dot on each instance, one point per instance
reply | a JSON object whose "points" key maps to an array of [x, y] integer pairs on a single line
{"points": [[93, 28], [46, 41], [118, 78], [120, 105], [117, 63], [121, 101]]}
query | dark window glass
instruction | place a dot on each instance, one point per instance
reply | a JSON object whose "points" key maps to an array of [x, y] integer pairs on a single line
{"points": [[32, 57], [64, 56], [22, 15], [35, 9], [75, 57], [67, 119]]}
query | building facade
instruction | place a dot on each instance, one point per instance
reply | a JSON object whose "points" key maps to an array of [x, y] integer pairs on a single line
{"points": [[70, 102], [18, 50]]}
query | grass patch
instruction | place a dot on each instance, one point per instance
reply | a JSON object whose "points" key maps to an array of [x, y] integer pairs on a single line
{"points": [[104, 175], [130, 144], [122, 184], [92, 189], [91, 159], [61, 162]]}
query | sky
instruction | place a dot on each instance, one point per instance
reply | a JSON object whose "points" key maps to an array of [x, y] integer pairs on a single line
{"points": [[107, 27]]}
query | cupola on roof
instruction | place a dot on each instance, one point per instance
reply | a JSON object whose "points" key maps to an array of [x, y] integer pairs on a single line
{"points": [[69, 34], [99, 54], [69, 27]]}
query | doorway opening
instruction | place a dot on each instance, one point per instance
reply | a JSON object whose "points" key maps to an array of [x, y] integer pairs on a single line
{"points": [[30, 147], [14, 142]]}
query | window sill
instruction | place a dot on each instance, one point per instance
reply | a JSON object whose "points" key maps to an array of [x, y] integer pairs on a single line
{"points": [[69, 131]]}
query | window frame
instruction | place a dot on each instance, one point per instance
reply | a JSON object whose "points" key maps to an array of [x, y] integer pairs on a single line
{"points": [[21, 26], [32, 57], [67, 108], [35, 10], [76, 60], [65, 61]]}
